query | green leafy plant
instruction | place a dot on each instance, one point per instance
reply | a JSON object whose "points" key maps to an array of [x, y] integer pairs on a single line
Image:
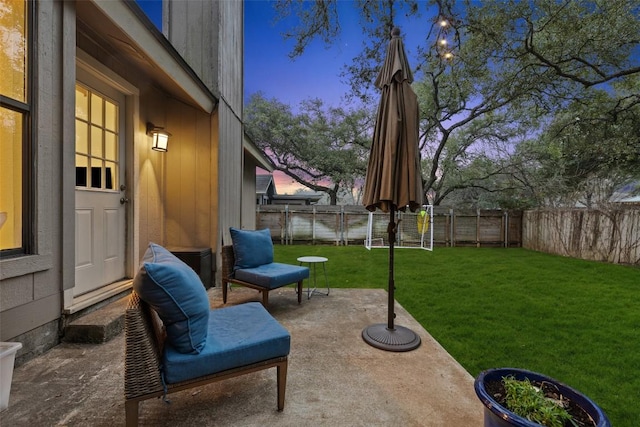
{"points": [[530, 402]]}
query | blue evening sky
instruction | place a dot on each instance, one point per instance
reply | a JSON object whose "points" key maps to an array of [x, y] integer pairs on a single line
{"points": [[315, 74]]}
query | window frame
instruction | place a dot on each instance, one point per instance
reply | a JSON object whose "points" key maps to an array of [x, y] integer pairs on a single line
{"points": [[28, 167]]}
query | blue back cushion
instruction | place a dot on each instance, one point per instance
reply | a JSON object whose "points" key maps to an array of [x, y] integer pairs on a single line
{"points": [[176, 293], [251, 248]]}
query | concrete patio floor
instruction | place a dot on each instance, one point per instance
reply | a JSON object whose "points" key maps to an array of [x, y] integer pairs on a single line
{"points": [[334, 377]]}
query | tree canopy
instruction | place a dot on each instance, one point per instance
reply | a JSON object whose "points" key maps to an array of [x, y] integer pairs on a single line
{"points": [[536, 101], [323, 148]]}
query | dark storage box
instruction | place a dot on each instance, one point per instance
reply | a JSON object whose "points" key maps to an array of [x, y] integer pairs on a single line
{"points": [[200, 259]]}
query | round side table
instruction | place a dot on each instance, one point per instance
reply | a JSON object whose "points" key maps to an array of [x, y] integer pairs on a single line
{"points": [[315, 260]]}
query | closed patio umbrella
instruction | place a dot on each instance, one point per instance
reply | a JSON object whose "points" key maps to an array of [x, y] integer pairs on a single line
{"points": [[394, 181]]}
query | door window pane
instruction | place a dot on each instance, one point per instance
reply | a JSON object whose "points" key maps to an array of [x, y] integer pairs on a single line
{"points": [[111, 175], [82, 137], [96, 141], [110, 116], [110, 146], [96, 173], [82, 103], [96, 109], [82, 167]]}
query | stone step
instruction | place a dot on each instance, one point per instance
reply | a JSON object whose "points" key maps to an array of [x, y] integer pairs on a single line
{"points": [[98, 326]]}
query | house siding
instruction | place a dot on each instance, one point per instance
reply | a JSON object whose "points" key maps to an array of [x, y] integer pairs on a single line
{"points": [[31, 286], [231, 132], [217, 57], [174, 196]]}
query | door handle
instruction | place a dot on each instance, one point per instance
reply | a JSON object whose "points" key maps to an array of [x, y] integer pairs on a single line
{"points": [[124, 200]]}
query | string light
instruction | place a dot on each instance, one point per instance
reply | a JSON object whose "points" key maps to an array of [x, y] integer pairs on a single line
{"points": [[442, 44]]}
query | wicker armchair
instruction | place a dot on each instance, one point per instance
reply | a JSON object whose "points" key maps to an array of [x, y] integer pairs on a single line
{"points": [[144, 340]]}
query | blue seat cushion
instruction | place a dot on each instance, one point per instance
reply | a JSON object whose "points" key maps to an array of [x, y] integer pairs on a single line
{"points": [[176, 293], [238, 335], [272, 275], [251, 248]]}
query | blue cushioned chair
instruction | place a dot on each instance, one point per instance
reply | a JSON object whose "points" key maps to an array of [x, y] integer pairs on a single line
{"points": [[241, 339], [249, 262], [174, 341]]}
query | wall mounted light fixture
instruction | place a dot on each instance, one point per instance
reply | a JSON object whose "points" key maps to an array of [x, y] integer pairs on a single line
{"points": [[160, 137]]}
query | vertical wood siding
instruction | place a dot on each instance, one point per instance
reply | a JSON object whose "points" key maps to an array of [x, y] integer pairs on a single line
{"points": [[230, 114]]}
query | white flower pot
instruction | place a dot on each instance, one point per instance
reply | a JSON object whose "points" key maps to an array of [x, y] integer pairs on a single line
{"points": [[7, 357]]}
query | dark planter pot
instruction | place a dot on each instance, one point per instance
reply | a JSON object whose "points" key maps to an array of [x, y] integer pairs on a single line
{"points": [[498, 416]]}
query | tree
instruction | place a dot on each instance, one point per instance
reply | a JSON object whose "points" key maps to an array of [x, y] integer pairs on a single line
{"points": [[588, 151], [323, 148], [493, 74]]}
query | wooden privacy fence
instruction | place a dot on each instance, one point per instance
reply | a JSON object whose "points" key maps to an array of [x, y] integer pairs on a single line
{"points": [[611, 235], [347, 225]]}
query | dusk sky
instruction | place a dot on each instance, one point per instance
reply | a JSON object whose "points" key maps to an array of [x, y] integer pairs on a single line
{"points": [[316, 74]]}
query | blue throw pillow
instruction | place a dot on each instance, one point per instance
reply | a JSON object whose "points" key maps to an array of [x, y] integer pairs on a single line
{"points": [[176, 293], [251, 248]]}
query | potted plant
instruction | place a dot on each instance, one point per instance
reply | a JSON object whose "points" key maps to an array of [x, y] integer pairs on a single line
{"points": [[515, 397]]}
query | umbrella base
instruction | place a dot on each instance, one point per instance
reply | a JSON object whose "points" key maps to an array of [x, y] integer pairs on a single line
{"points": [[396, 339]]}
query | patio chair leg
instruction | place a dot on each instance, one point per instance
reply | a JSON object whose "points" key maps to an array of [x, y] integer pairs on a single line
{"points": [[225, 286], [282, 384], [265, 298], [300, 291], [131, 413]]}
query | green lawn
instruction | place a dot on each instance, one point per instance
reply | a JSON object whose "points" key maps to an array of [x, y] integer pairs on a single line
{"points": [[576, 321]]}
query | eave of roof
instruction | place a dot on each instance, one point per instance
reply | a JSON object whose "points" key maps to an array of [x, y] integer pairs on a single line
{"points": [[262, 160], [127, 30]]}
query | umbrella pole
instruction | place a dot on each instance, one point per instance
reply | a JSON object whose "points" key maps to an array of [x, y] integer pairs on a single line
{"points": [[391, 229], [390, 337]]}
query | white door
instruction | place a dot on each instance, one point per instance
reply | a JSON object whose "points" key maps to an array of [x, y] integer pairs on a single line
{"points": [[101, 197]]}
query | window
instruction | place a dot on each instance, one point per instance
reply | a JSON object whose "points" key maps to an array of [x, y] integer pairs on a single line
{"points": [[15, 142], [96, 141]]}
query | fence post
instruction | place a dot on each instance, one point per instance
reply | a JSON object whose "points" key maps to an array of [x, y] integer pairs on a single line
{"points": [[446, 232], [342, 226], [313, 226], [287, 224], [505, 222], [400, 233], [451, 228], [283, 224], [477, 227]]}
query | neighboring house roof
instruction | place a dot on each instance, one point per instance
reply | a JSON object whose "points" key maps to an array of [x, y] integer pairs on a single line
{"points": [[629, 193], [632, 199], [263, 182], [299, 198], [265, 185]]}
